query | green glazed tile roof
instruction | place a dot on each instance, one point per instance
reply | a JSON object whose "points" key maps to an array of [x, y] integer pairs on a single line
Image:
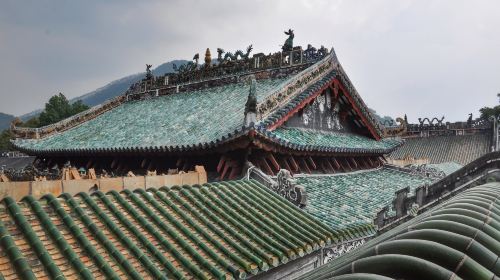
{"points": [[215, 231], [446, 167], [352, 200], [338, 140], [198, 120], [458, 239], [462, 149], [183, 119]]}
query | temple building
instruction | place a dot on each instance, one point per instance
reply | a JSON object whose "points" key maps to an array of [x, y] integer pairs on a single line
{"points": [[435, 142], [291, 171], [298, 112]]}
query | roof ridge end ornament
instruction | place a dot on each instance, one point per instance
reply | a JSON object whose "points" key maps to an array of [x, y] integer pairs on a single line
{"points": [[251, 104]]}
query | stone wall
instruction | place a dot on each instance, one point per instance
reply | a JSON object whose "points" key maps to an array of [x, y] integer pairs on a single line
{"points": [[408, 161], [18, 190]]}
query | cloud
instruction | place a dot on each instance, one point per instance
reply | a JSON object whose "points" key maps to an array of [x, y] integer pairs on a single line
{"points": [[423, 58]]}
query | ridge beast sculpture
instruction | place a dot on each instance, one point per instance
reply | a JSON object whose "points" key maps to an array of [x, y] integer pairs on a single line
{"points": [[288, 46], [190, 66], [398, 130], [438, 122], [149, 73], [232, 57]]}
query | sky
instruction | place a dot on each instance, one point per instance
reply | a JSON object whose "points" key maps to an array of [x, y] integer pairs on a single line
{"points": [[416, 57]]}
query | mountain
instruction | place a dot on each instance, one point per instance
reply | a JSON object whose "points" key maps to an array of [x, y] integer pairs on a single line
{"points": [[5, 120], [114, 88]]}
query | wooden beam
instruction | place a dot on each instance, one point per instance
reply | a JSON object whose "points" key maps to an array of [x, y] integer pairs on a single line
{"points": [[285, 164], [114, 163], [362, 163], [312, 163], [273, 161], [323, 166], [353, 162], [303, 165], [343, 164], [329, 165], [235, 172], [221, 163], [371, 162], [336, 164], [224, 171], [266, 167], [143, 163], [186, 165], [293, 163], [89, 164]]}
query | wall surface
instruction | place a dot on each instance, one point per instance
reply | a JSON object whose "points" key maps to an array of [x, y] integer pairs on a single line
{"points": [[18, 190]]}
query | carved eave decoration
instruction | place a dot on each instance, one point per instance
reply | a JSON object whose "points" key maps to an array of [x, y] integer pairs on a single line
{"points": [[399, 130]]}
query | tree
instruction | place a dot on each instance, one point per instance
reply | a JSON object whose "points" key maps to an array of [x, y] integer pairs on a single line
{"points": [[33, 122], [59, 108], [487, 112], [5, 137]]}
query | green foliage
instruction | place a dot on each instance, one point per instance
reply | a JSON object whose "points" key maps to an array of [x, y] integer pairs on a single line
{"points": [[5, 137], [33, 122], [59, 108], [487, 112]]}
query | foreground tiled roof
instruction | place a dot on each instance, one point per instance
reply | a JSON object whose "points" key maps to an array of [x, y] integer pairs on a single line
{"points": [[341, 142], [175, 120], [458, 239], [351, 201], [232, 229], [458, 148]]}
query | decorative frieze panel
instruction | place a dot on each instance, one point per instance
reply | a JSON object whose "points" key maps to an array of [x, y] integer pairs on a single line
{"points": [[289, 189], [329, 254], [295, 86], [321, 114]]}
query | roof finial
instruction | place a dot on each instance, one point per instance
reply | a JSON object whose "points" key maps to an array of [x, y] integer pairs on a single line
{"points": [[251, 105], [208, 58], [288, 46]]}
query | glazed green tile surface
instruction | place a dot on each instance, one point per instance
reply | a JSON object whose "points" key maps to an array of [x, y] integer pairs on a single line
{"points": [[303, 136], [446, 167], [227, 230], [462, 149], [349, 200], [186, 118], [440, 243]]}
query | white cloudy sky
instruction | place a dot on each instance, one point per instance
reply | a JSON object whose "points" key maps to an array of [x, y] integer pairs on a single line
{"points": [[424, 58]]}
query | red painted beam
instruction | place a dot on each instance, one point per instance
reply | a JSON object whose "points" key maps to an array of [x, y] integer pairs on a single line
{"points": [[336, 163], [354, 162], [222, 161], [303, 164], [293, 163], [312, 163], [273, 161]]}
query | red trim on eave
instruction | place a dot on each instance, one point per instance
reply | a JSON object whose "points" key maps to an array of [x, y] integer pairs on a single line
{"points": [[296, 109], [358, 111]]}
